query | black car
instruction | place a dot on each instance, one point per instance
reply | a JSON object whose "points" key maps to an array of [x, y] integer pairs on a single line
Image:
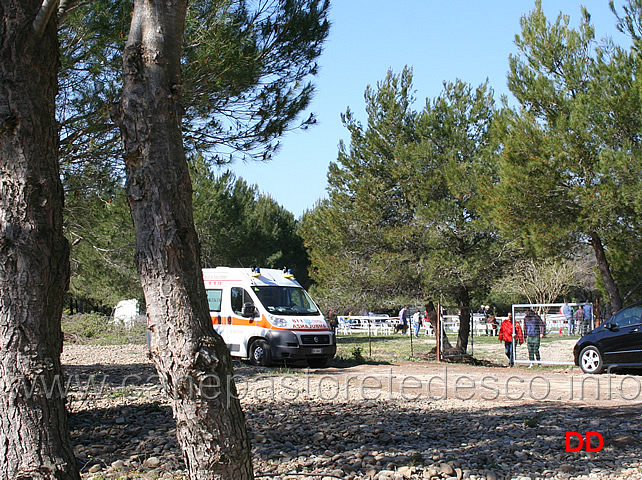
{"points": [[617, 342]]}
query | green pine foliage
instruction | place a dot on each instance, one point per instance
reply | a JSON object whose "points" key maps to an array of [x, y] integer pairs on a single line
{"points": [[569, 171], [435, 202], [99, 228], [240, 227], [247, 70], [402, 225]]}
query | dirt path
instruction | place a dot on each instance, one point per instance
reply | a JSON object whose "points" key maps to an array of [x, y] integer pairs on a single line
{"points": [[466, 383], [395, 421]]}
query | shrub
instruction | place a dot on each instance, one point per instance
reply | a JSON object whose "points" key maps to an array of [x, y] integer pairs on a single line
{"points": [[96, 329]]}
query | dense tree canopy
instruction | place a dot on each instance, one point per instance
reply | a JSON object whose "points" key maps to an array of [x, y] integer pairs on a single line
{"points": [[246, 70], [237, 226], [353, 238], [246, 76], [99, 228], [402, 224], [567, 173], [240, 227], [569, 165], [439, 203]]}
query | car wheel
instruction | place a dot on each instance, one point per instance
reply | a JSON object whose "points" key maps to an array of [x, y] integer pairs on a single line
{"points": [[591, 360], [260, 355], [318, 362]]}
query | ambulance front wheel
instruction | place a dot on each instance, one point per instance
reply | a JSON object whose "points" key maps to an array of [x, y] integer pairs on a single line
{"points": [[260, 355]]}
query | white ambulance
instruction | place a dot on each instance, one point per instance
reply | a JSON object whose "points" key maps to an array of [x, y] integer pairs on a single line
{"points": [[266, 315]]}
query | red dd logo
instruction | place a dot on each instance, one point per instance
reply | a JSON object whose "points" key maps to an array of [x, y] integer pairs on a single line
{"points": [[580, 441]]}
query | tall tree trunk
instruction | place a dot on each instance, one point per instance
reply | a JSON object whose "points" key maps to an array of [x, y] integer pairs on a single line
{"points": [[193, 362], [464, 321], [605, 271], [34, 255], [432, 318]]}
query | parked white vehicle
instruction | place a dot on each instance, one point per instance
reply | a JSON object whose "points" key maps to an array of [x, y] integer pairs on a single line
{"points": [[126, 311], [266, 315]]}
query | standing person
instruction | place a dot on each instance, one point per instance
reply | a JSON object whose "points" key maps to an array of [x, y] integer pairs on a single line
{"points": [[485, 309], [534, 328], [578, 317], [506, 336], [416, 322], [567, 311], [491, 325], [588, 318], [333, 320], [403, 320]]}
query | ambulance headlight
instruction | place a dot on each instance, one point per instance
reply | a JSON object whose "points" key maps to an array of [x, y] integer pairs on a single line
{"points": [[278, 322]]}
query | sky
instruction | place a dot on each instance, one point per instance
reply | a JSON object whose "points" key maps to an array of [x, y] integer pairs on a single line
{"points": [[442, 41]]}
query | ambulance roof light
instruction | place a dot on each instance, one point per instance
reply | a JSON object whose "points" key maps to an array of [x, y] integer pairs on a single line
{"points": [[287, 272]]}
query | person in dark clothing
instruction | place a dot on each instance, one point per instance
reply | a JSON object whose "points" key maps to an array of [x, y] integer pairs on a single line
{"points": [[534, 327], [333, 320]]}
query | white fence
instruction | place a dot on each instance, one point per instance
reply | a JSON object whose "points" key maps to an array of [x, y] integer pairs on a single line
{"points": [[371, 324], [385, 325], [554, 320]]}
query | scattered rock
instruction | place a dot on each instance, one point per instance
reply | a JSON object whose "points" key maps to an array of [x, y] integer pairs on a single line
{"points": [[152, 462], [133, 432]]}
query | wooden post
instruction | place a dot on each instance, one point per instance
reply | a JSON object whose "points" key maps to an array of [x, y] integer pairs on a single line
{"points": [[438, 332], [410, 330]]}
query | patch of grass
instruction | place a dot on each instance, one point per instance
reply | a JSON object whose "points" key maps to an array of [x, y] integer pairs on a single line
{"points": [[533, 421], [280, 371], [384, 348], [485, 340], [126, 392], [396, 348], [95, 329]]}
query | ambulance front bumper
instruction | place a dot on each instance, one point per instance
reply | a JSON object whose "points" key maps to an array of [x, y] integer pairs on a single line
{"points": [[288, 345]]}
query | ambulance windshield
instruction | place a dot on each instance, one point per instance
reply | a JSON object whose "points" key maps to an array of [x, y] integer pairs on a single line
{"points": [[286, 300]]}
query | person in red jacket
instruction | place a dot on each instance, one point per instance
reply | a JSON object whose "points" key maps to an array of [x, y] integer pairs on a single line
{"points": [[506, 336]]}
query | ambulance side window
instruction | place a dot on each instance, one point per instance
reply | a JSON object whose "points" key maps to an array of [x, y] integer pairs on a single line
{"points": [[239, 297], [214, 298]]}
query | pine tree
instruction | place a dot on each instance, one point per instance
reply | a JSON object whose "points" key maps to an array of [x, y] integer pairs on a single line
{"points": [[34, 254], [565, 174], [402, 225]]}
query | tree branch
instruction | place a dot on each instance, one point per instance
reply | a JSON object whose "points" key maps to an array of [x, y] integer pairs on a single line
{"points": [[43, 16], [63, 8], [631, 292]]}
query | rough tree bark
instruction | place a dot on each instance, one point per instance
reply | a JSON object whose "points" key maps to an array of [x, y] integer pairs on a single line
{"points": [[432, 318], [34, 263], [464, 320], [603, 266], [193, 362]]}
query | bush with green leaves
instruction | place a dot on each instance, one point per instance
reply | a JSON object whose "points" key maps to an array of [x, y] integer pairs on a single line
{"points": [[96, 329]]}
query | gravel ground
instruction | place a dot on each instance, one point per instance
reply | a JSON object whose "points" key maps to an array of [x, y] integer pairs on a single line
{"points": [[409, 420]]}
